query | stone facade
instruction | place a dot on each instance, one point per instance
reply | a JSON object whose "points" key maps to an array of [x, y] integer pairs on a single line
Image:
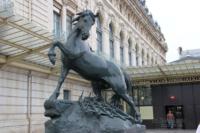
{"points": [[141, 35], [22, 95]]}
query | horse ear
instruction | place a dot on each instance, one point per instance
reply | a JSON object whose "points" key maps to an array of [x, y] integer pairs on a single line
{"points": [[74, 23], [78, 17], [97, 14], [75, 19], [80, 13]]}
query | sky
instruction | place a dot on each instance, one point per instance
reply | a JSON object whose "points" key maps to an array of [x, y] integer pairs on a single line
{"points": [[180, 23]]}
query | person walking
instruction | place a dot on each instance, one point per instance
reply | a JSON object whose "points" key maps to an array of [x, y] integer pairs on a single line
{"points": [[170, 119]]}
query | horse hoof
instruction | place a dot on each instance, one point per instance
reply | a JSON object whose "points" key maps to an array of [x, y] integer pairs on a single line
{"points": [[57, 94], [51, 54], [53, 61], [138, 121]]}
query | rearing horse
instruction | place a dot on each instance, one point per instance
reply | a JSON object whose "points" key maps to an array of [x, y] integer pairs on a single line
{"points": [[76, 55]]}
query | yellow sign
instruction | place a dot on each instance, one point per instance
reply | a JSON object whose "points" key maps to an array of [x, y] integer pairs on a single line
{"points": [[146, 112]]}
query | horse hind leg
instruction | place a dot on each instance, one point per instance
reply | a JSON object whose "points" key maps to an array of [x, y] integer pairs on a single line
{"points": [[64, 72], [120, 89], [130, 102]]}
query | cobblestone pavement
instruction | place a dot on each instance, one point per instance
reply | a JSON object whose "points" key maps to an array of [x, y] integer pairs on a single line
{"points": [[170, 131]]}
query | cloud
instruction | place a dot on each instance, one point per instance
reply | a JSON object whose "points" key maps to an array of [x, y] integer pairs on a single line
{"points": [[180, 23]]}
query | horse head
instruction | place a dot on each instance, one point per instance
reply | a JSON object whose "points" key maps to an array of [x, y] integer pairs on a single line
{"points": [[84, 22]]}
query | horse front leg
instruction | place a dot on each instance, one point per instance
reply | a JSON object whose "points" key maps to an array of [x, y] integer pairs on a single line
{"points": [[64, 72], [70, 54], [52, 54]]}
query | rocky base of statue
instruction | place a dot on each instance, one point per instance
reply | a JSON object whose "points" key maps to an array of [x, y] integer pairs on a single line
{"points": [[88, 115]]}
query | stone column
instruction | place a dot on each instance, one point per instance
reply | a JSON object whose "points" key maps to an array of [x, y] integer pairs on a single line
{"points": [[105, 41], [63, 22], [117, 49], [134, 58], [140, 59], [126, 55], [93, 38], [50, 15]]}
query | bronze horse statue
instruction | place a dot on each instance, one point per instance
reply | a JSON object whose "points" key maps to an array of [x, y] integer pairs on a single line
{"points": [[76, 55]]}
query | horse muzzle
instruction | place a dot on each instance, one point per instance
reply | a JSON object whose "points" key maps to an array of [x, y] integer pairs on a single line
{"points": [[85, 36]]}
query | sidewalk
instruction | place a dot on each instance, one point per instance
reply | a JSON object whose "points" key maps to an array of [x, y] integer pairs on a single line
{"points": [[169, 131]]}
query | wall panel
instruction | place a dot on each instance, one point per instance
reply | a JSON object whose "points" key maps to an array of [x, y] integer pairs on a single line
{"points": [[22, 96]]}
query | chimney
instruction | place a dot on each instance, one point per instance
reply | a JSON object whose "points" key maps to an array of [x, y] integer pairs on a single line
{"points": [[180, 51]]}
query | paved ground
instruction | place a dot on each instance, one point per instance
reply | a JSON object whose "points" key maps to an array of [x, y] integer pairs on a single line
{"points": [[170, 131]]}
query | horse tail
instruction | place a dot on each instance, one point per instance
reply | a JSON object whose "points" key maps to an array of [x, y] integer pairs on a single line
{"points": [[52, 54], [115, 99], [128, 81]]}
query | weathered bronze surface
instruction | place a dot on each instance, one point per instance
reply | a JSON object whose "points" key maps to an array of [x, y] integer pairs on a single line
{"points": [[103, 74], [88, 115]]}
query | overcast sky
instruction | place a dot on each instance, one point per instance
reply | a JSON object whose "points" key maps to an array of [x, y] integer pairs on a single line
{"points": [[180, 23]]}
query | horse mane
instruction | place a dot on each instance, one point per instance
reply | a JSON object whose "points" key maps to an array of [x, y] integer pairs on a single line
{"points": [[85, 13]]}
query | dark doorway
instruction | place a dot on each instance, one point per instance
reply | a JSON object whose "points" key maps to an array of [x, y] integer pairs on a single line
{"points": [[177, 110]]}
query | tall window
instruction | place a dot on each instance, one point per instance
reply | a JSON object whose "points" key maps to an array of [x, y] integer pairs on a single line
{"points": [[142, 57], [57, 24], [143, 96], [111, 40], [68, 24], [152, 61], [120, 8], [137, 55], [122, 55], [66, 94], [121, 49], [99, 36], [130, 52], [148, 62]]}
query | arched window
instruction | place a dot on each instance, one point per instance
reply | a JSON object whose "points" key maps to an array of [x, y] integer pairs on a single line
{"points": [[99, 36], [120, 8], [129, 17], [121, 49], [130, 52], [57, 24], [137, 54], [111, 41], [68, 23], [148, 59], [152, 61], [142, 57], [122, 54]]}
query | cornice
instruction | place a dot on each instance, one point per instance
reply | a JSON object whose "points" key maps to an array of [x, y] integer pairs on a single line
{"points": [[142, 15], [71, 3], [109, 5]]}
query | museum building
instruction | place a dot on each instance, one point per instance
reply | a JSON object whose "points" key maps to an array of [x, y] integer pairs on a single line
{"points": [[125, 33]]}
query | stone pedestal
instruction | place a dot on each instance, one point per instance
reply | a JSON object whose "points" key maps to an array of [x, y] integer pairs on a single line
{"points": [[84, 117]]}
